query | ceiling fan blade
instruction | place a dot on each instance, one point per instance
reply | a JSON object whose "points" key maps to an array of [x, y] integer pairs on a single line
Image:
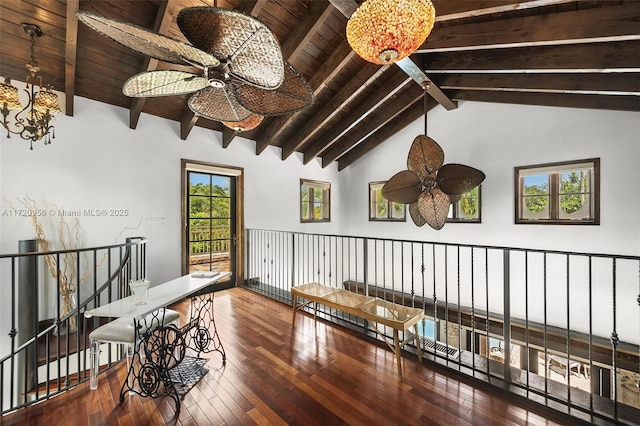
{"points": [[404, 187], [414, 212], [163, 83], [148, 42], [294, 94], [216, 103], [433, 206], [246, 45], [457, 179], [425, 156]]}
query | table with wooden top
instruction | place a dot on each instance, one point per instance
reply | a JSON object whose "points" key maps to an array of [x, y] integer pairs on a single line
{"points": [[373, 309]]}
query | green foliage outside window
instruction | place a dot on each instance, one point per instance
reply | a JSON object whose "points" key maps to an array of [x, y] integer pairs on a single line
{"points": [[536, 198], [469, 202], [209, 214], [572, 190], [565, 192]]}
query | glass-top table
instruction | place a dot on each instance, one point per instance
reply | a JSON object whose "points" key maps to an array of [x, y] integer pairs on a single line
{"points": [[373, 309], [159, 359]]}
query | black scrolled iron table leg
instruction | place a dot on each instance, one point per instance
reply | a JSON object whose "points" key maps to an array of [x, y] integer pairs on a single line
{"points": [[158, 350], [202, 335]]}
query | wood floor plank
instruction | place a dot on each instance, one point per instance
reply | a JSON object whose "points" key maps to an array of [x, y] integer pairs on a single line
{"points": [[314, 374]]}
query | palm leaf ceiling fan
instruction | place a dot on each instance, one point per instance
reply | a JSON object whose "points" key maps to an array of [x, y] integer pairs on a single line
{"points": [[429, 186], [242, 74]]}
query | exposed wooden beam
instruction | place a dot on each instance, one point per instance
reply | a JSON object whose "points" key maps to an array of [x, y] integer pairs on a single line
{"points": [[611, 102], [411, 114], [412, 70], [616, 23], [449, 10], [189, 120], [71, 47], [367, 74], [227, 136], [313, 19], [346, 7], [395, 79], [598, 57], [389, 112], [164, 18], [338, 59], [622, 84]]}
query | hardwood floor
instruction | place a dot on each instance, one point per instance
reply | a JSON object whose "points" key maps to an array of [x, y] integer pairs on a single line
{"points": [[313, 375]]}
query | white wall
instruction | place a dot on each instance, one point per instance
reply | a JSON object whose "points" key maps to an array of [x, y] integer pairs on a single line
{"points": [[495, 138], [96, 162]]}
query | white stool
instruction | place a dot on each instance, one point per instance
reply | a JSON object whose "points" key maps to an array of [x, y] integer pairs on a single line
{"points": [[122, 331]]}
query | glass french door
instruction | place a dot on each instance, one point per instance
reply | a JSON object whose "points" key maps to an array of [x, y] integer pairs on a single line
{"points": [[211, 224]]}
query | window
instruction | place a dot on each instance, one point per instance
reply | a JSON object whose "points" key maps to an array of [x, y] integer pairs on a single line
{"points": [[382, 209], [315, 201], [567, 193], [467, 208]]}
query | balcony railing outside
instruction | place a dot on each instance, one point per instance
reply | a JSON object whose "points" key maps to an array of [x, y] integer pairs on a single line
{"points": [[209, 248], [567, 324], [47, 348]]}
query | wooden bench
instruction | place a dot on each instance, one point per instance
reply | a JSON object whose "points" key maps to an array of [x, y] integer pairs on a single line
{"points": [[372, 309]]}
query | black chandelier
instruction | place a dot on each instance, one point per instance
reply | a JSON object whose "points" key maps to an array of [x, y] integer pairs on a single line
{"points": [[33, 121]]}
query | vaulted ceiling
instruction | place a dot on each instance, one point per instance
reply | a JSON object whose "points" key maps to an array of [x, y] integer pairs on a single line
{"points": [[581, 54]]}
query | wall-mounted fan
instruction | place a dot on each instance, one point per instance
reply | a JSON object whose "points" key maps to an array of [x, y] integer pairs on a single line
{"points": [[243, 72], [428, 186]]}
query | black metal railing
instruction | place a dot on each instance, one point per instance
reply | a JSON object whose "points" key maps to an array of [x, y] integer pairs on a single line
{"points": [[47, 349], [558, 328]]}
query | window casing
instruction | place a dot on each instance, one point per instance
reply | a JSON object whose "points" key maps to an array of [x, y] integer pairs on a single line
{"points": [[558, 193], [315, 201], [466, 209], [381, 209]]}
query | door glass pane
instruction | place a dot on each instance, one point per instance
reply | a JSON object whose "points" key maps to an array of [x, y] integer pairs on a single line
{"points": [[199, 229], [221, 186], [199, 206], [220, 207], [199, 184], [199, 256]]}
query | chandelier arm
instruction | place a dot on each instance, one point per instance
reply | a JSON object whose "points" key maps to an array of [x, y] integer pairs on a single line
{"points": [[32, 122]]}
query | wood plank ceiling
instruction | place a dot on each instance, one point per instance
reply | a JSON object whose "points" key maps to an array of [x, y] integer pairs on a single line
{"points": [[582, 54]]}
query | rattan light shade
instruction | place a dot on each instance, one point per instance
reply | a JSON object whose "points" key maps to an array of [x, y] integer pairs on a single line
{"points": [[249, 123], [163, 83], [249, 48], [147, 42], [9, 96], [385, 31]]}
